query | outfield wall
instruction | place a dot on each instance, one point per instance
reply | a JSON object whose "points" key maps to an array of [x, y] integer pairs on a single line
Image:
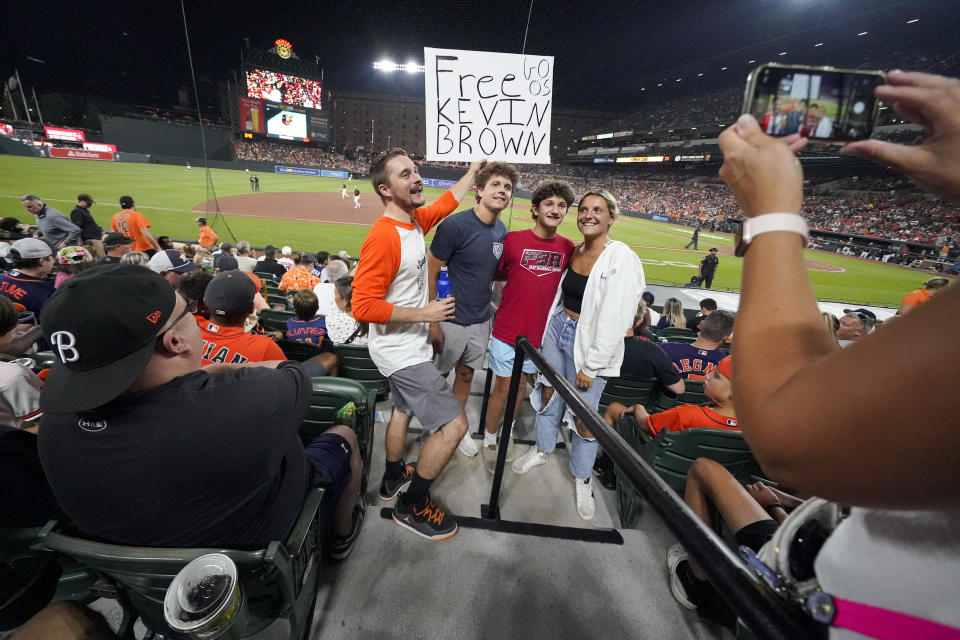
{"points": [[166, 138]]}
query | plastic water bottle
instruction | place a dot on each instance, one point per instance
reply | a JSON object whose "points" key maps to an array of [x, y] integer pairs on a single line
{"points": [[443, 283]]}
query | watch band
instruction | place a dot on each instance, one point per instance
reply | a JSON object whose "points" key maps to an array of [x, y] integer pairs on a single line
{"points": [[775, 222]]}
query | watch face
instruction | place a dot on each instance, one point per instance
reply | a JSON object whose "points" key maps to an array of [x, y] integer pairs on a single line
{"points": [[739, 246]]}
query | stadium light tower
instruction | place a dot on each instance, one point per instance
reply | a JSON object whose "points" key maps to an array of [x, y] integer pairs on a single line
{"points": [[389, 66]]}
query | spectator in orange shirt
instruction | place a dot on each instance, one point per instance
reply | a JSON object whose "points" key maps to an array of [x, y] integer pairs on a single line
{"points": [[229, 300], [135, 226], [208, 239], [719, 414], [914, 299], [298, 278]]}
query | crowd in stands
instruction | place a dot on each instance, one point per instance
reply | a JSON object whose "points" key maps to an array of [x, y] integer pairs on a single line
{"points": [[297, 155], [803, 400]]}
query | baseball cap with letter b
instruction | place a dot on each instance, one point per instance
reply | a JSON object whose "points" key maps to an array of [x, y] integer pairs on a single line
{"points": [[102, 328]]}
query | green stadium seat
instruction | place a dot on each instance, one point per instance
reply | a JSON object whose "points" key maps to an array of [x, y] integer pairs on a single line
{"points": [[299, 351], [672, 452], [692, 395], [75, 580], [274, 298], [669, 333], [686, 339], [628, 391], [278, 581], [355, 363], [272, 320], [330, 394], [269, 277]]}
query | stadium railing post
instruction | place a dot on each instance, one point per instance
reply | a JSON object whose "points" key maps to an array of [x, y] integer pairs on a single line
{"points": [[486, 399], [491, 510]]}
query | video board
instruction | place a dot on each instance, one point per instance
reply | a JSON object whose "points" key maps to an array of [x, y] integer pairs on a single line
{"points": [[283, 121], [274, 86], [286, 122]]}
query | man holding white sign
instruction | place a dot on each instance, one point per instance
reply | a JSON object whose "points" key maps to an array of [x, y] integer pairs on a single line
{"points": [[390, 292], [495, 105]]}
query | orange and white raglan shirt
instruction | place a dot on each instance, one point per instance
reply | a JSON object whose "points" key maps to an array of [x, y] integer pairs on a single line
{"points": [[393, 272]]}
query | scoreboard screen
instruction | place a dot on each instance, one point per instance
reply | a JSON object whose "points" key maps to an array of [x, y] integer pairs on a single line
{"points": [[274, 86], [286, 123]]}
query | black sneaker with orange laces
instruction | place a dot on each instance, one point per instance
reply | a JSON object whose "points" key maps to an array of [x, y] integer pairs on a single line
{"points": [[390, 488], [425, 519]]}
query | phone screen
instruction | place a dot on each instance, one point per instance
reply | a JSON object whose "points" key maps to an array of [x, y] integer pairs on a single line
{"points": [[816, 103]]}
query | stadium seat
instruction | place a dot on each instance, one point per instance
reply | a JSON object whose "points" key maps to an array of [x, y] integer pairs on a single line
{"points": [[672, 452], [275, 298], [355, 363], [628, 391], [278, 581], [692, 395], [272, 320], [269, 277], [330, 394], [299, 351], [72, 580], [672, 332], [686, 339]]}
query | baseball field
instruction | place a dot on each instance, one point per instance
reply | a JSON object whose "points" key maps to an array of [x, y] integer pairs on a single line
{"points": [[308, 213]]}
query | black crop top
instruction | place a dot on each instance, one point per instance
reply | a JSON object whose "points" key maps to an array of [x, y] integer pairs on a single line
{"points": [[572, 287]]}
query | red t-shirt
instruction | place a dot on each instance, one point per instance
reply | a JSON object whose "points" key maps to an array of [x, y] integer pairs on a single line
{"points": [[232, 345], [689, 416], [533, 267]]}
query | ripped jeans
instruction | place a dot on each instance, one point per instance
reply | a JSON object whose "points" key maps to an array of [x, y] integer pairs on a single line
{"points": [[557, 349]]}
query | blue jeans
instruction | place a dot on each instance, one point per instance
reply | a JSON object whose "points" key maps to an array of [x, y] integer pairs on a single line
{"points": [[557, 349]]}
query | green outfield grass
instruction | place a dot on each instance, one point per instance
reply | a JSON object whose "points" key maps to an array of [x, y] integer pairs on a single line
{"points": [[166, 195]]}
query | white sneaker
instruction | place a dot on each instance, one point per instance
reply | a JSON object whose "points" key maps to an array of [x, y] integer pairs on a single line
{"points": [[586, 506], [467, 446], [675, 555], [532, 458]]}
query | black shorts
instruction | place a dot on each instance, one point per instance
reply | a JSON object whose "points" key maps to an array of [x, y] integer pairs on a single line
{"points": [[756, 534], [329, 455]]}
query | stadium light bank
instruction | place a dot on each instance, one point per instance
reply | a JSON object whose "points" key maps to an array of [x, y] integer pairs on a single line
{"points": [[388, 66]]}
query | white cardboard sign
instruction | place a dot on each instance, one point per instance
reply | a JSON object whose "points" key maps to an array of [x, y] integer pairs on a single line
{"points": [[488, 105]]}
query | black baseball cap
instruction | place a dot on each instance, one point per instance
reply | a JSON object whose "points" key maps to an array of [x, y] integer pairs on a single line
{"points": [[102, 327], [126, 201], [712, 249], [229, 293], [85, 197], [115, 238]]}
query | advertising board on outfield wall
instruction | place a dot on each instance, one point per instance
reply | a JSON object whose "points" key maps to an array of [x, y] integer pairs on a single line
{"points": [[303, 171], [100, 146], [70, 135], [80, 154], [643, 159]]}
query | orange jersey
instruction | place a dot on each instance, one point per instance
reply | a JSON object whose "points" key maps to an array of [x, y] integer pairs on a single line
{"points": [[689, 416], [916, 298], [207, 237], [131, 224], [232, 345], [298, 279], [383, 249]]}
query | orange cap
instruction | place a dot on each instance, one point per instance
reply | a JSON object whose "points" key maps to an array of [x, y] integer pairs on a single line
{"points": [[724, 367]]}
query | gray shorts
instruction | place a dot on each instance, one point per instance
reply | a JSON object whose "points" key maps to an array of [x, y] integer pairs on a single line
{"points": [[421, 391], [463, 343]]}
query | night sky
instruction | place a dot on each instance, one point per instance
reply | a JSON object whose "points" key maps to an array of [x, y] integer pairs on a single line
{"points": [[605, 52]]}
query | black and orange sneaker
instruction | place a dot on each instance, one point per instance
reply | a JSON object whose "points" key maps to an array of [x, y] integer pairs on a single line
{"points": [[425, 519], [390, 488]]}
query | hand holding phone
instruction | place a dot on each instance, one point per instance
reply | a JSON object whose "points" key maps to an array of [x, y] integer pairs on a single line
{"points": [[820, 103]]}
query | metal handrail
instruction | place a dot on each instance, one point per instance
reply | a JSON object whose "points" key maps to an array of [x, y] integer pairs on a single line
{"points": [[765, 614]]}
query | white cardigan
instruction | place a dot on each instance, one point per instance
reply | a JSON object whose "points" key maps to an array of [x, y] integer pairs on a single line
{"points": [[609, 305]]}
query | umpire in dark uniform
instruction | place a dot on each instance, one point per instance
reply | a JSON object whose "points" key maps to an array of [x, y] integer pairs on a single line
{"points": [[708, 268], [695, 240]]}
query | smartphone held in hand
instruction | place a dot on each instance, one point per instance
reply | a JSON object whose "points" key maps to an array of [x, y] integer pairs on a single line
{"points": [[821, 103]]}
